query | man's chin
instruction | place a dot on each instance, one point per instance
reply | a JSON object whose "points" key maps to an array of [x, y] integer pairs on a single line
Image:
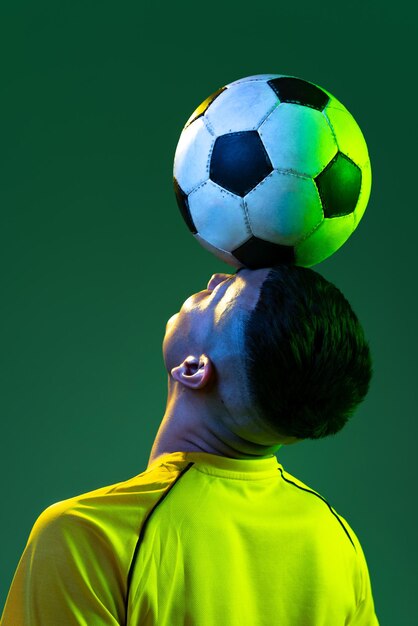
{"points": [[171, 319]]}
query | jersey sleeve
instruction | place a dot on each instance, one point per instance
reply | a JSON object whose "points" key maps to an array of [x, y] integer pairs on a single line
{"points": [[365, 614], [66, 575]]}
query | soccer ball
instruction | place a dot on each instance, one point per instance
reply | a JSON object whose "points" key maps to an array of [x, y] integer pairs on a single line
{"points": [[271, 169]]}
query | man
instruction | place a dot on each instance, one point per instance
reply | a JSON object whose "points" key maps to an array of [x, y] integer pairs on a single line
{"points": [[215, 532]]}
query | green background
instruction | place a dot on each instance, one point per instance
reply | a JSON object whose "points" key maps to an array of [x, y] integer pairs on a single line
{"points": [[95, 256]]}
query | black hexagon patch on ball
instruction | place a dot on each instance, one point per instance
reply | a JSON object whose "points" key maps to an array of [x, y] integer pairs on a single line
{"points": [[298, 91], [339, 186], [256, 253], [239, 162], [183, 204]]}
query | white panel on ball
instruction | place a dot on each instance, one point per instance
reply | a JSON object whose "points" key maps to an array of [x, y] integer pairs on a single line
{"points": [[255, 78], [219, 216], [283, 208], [191, 160], [325, 240], [241, 107], [298, 138], [350, 139], [225, 256]]}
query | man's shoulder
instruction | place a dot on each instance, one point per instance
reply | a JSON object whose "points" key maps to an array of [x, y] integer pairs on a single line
{"points": [[112, 513], [317, 508]]}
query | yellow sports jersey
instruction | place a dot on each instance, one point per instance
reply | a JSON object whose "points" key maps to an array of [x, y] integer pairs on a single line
{"points": [[195, 540]]}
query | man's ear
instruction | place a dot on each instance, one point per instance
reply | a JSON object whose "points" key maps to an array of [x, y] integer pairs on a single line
{"points": [[194, 372]]}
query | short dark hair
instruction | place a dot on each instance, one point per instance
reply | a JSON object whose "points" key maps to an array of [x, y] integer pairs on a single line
{"points": [[308, 364]]}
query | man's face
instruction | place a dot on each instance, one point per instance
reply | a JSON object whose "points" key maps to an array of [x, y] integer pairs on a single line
{"points": [[211, 320]]}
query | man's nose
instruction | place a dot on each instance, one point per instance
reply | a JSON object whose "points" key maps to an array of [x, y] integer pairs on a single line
{"points": [[216, 279]]}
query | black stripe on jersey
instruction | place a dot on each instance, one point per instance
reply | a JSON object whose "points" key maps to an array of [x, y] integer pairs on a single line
{"points": [[323, 499], [142, 531]]}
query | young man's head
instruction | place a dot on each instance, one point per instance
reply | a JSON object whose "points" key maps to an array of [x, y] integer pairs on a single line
{"points": [[262, 358]]}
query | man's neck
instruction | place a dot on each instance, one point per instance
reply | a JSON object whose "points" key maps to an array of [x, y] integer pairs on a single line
{"points": [[179, 434]]}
